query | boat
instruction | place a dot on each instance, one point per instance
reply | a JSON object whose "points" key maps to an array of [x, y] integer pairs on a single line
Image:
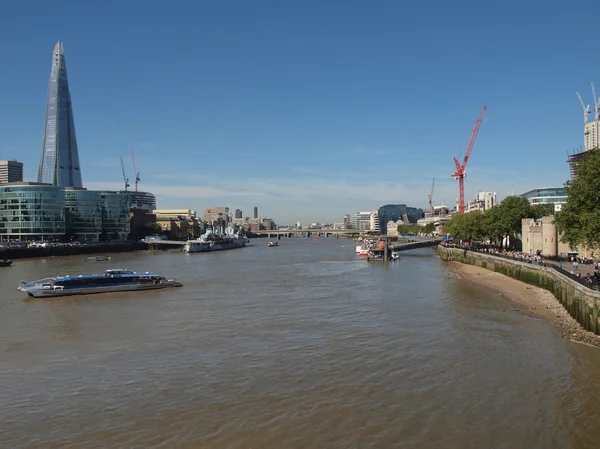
{"points": [[215, 241], [5, 263], [98, 259], [273, 243], [317, 238], [117, 280]]}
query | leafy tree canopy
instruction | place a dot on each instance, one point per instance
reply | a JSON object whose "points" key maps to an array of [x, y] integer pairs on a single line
{"points": [[499, 221], [579, 221]]}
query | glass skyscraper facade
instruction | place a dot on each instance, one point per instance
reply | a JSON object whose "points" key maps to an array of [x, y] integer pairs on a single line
{"points": [[59, 165], [30, 211], [34, 212]]}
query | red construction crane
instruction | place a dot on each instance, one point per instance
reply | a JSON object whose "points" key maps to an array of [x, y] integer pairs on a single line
{"points": [[431, 198], [135, 172], [460, 172]]}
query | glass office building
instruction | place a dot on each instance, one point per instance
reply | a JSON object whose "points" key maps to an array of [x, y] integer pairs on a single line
{"points": [[395, 212], [554, 195], [41, 212], [31, 211], [83, 215], [115, 215], [59, 164]]}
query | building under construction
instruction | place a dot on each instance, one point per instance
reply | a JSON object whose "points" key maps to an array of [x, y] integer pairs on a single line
{"points": [[591, 131]]}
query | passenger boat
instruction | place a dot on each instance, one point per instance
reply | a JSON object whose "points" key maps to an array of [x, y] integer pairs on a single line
{"points": [[5, 263], [273, 243], [118, 280], [214, 241]]}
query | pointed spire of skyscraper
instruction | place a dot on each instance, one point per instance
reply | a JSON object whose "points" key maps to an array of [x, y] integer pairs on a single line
{"points": [[59, 164]]}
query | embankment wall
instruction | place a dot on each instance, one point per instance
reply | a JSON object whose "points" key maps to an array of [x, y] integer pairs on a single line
{"points": [[23, 253], [582, 303]]}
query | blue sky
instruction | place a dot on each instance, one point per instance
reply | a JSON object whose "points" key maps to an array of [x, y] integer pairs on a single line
{"points": [[306, 109]]}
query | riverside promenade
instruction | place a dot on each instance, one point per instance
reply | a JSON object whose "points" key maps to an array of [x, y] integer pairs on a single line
{"points": [[581, 302]]}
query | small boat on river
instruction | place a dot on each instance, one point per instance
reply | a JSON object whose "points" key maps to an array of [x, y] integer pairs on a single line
{"points": [[5, 263], [273, 243], [118, 280], [98, 259]]}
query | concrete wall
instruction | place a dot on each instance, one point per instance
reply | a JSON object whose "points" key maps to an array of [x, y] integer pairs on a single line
{"points": [[581, 302]]}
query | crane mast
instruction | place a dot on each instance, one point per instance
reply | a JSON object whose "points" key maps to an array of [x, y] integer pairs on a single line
{"points": [[596, 103], [136, 173], [586, 109], [431, 198], [125, 178], [460, 172]]}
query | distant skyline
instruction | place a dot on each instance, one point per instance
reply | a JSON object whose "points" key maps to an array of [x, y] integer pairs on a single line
{"points": [[308, 110]]}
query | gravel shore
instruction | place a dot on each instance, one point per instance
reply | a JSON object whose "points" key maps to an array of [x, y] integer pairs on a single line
{"points": [[531, 300]]}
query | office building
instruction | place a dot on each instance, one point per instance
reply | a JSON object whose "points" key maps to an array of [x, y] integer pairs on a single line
{"points": [[395, 212], [11, 171], [59, 165], [553, 195], [216, 215], [145, 201], [255, 212], [180, 223], [374, 220], [238, 214], [361, 221], [31, 211]]}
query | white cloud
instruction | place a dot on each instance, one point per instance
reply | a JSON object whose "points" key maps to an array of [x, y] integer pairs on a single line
{"points": [[322, 196]]}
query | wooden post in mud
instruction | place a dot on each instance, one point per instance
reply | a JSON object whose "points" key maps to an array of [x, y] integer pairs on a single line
{"points": [[387, 250]]}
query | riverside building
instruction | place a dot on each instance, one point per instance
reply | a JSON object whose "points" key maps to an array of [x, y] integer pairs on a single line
{"points": [[32, 211], [57, 207]]}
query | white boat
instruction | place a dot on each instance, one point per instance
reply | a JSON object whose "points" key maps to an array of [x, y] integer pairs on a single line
{"points": [[119, 280], [273, 244], [213, 241]]}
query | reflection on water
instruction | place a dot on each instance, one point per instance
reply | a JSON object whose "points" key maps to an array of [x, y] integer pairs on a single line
{"points": [[297, 346]]}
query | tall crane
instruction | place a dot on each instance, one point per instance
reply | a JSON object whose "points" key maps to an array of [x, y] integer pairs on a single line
{"points": [[125, 178], [460, 172], [586, 109], [136, 173], [596, 103], [431, 198]]}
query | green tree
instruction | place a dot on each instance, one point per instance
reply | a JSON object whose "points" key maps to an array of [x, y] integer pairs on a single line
{"points": [[542, 210], [496, 223], [428, 228], [579, 221], [467, 227], [509, 215]]}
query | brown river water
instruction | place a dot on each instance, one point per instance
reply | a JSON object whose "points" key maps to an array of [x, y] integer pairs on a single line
{"points": [[298, 346]]}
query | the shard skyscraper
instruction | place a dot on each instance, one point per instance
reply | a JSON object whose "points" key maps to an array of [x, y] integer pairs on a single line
{"points": [[59, 165]]}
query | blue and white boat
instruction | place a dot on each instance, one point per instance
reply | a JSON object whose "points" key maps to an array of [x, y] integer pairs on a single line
{"points": [[118, 280]]}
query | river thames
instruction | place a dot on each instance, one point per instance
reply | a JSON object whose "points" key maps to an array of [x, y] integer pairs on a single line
{"points": [[297, 346]]}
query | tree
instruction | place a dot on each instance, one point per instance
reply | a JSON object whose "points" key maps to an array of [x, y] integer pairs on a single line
{"points": [[579, 221], [542, 210], [467, 227], [510, 213], [495, 224]]}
